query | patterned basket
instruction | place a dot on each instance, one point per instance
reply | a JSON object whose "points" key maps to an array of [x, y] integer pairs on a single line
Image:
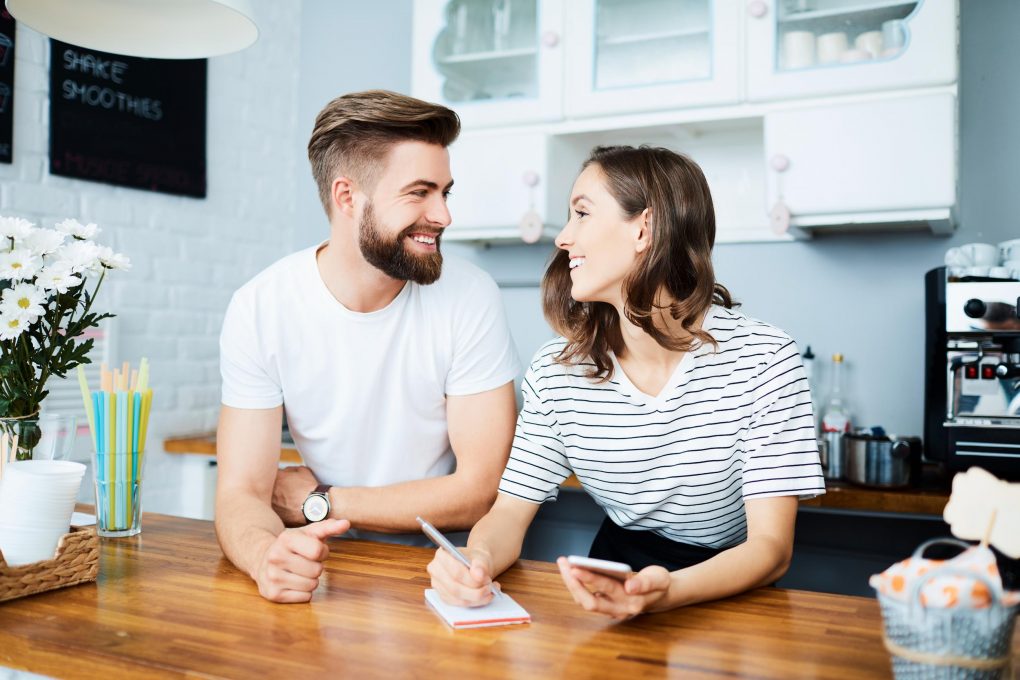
{"points": [[76, 561], [942, 643]]}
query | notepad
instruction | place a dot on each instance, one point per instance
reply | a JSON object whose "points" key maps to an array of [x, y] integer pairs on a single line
{"points": [[502, 611]]}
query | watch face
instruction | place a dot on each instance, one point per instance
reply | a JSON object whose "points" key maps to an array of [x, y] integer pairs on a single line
{"points": [[315, 508]]}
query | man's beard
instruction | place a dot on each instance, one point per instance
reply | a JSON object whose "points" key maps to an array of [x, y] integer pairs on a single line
{"points": [[392, 257]]}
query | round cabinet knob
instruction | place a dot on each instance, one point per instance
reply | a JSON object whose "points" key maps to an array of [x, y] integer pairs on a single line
{"points": [[1006, 371], [530, 178], [974, 308], [550, 38], [531, 227], [780, 163], [757, 9]]}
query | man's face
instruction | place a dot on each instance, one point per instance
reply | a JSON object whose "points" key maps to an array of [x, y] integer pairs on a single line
{"points": [[403, 220]]}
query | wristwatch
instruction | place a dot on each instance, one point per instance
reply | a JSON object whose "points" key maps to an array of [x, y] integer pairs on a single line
{"points": [[316, 506]]}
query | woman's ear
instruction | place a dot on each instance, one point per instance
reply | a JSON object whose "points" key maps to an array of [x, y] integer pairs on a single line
{"points": [[643, 231]]}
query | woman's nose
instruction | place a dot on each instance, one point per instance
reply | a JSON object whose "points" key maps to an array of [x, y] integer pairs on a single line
{"points": [[565, 238]]}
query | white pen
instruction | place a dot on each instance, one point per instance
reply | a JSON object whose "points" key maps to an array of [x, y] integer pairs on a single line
{"points": [[444, 543]]}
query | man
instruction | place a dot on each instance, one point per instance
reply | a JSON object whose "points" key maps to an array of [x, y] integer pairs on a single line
{"points": [[396, 370]]}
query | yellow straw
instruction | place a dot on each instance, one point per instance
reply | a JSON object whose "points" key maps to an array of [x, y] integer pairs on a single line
{"points": [[86, 397], [144, 425], [143, 375]]}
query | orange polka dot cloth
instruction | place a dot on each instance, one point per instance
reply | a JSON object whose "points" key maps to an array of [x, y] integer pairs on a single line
{"points": [[958, 585]]}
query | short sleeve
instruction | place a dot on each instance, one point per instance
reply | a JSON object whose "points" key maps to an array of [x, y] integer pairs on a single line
{"points": [[782, 451], [247, 383], [484, 356], [538, 463]]}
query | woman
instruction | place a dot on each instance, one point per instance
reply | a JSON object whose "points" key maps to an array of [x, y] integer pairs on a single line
{"points": [[689, 423]]}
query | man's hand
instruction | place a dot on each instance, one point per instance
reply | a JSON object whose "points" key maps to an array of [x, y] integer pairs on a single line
{"points": [[290, 568], [292, 486], [645, 591]]}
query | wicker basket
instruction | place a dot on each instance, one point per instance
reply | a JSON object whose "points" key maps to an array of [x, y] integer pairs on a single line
{"points": [[76, 561], [939, 643]]}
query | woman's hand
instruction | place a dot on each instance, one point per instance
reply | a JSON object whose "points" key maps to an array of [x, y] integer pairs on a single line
{"points": [[645, 591], [458, 585]]}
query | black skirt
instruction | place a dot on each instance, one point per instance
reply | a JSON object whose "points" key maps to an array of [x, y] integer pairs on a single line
{"points": [[641, 548]]}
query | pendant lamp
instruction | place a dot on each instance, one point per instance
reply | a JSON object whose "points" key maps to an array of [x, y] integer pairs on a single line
{"points": [[162, 29]]}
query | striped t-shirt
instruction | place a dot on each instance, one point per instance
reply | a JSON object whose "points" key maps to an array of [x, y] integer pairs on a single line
{"points": [[732, 423]]}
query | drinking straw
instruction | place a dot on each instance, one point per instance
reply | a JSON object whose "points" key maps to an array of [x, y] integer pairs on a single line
{"points": [[105, 379], [129, 451], [125, 373], [134, 380], [83, 383], [121, 453], [111, 409], [138, 426]]}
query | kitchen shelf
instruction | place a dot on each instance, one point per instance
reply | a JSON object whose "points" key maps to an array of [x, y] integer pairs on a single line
{"points": [[490, 56], [607, 41], [895, 9]]}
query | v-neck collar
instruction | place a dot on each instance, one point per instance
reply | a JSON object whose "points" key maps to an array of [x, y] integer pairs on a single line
{"points": [[639, 398]]}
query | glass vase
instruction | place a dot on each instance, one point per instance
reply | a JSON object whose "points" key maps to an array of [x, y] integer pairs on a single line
{"points": [[49, 436]]}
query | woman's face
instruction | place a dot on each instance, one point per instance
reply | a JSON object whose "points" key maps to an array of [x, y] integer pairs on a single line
{"points": [[602, 243]]}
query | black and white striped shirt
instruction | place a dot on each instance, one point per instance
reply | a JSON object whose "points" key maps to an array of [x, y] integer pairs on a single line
{"points": [[731, 423]]}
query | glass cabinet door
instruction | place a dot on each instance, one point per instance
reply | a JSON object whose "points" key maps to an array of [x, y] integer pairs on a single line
{"points": [[493, 61], [632, 55], [811, 47]]}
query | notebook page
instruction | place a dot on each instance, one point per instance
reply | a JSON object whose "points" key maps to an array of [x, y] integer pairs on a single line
{"points": [[502, 611]]}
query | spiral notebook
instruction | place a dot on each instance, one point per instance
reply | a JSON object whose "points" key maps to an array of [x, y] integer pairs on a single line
{"points": [[502, 611]]}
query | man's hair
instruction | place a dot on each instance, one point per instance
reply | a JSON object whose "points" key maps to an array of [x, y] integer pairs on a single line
{"points": [[678, 263], [354, 132]]}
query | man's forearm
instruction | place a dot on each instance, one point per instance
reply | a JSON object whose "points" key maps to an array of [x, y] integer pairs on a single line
{"points": [[246, 526], [450, 502]]}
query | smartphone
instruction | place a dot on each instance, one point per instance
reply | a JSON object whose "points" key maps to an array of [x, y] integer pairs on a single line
{"points": [[616, 570]]}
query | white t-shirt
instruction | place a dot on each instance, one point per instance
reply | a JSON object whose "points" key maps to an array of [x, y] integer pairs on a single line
{"points": [[732, 423], [365, 393]]}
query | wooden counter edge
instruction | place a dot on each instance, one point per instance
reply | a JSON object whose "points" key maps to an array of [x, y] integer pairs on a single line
{"points": [[841, 496]]}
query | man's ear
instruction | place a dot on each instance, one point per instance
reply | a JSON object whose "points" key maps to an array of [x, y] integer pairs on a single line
{"points": [[643, 231], [342, 194]]}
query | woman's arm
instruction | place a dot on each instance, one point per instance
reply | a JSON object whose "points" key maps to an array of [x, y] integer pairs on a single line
{"points": [[494, 544], [760, 560]]}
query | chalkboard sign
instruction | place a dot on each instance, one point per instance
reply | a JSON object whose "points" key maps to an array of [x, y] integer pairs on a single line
{"points": [[6, 86], [128, 121]]}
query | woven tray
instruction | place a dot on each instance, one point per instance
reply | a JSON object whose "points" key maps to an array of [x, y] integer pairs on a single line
{"points": [[76, 561]]}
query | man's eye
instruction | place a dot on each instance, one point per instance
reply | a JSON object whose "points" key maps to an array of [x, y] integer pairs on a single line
{"points": [[447, 194], [421, 193]]}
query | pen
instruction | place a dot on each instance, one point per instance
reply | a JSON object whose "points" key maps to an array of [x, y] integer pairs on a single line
{"points": [[445, 544]]}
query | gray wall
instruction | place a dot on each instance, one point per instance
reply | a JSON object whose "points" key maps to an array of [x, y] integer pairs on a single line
{"points": [[861, 295]]}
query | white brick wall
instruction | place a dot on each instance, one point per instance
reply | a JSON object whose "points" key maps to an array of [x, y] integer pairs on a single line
{"points": [[189, 255]]}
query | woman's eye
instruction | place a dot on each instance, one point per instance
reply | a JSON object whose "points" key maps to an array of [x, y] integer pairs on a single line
{"points": [[580, 213]]}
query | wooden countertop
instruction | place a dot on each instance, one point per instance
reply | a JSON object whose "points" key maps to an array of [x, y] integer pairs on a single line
{"points": [[167, 603], [840, 495]]}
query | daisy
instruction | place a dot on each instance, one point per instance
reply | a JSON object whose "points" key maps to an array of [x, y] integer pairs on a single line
{"points": [[19, 264], [11, 326], [78, 256], [25, 301], [42, 241], [57, 277], [112, 260], [78, 230], [15, 227]]}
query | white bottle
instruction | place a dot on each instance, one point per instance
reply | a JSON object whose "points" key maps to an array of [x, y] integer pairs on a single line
{"points": [[835, 422]]}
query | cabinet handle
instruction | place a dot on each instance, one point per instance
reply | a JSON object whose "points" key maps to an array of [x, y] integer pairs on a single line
{"points": [[550, 38], [530, 178], [757, 8], [780, 163]]}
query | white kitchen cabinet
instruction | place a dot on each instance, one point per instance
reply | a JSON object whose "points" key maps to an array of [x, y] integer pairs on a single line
{"points": [[493, 61], [641, 55], [503, 178], [878, 162], [810, 48]]}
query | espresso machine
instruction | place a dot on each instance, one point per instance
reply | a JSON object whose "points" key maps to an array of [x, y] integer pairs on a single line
{"points": [[972, 373]]}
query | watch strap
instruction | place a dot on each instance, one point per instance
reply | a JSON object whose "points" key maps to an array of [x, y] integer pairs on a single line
{"points": [[322, 489]]}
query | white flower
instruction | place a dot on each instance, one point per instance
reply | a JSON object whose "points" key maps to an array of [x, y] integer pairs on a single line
{"points": [[112, 260], [77, 229], [24, 301], [78, 256], [42, 241], [57, 277], [15, 227], [11, 326], [19, 264]]}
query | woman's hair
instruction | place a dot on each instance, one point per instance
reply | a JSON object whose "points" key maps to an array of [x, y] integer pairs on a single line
{"points": [[354, 132], [676, 268]]}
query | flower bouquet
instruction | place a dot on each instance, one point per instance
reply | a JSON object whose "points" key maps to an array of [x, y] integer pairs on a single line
{"points": [[45, 307]]}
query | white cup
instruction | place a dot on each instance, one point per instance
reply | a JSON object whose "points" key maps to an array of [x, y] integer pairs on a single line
{"points": [[999, 272], [957, 258], [981, 254], [870, 41], [798, 49], [894, 35], [977, 270], [22, 545], [855, 55], [1011, 264], [831, 47], [1009, 250]]}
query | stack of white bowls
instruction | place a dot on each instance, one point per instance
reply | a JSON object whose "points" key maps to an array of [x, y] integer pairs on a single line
{"points": [[37, 498]]}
